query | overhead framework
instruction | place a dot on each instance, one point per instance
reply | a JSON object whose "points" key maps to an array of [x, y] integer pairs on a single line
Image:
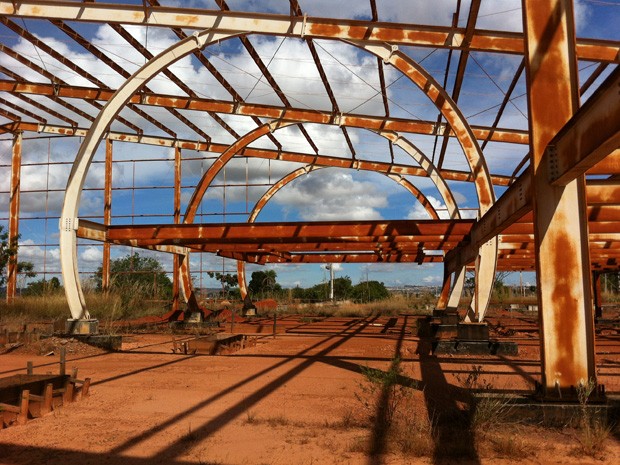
{"points": [[224, 85]]}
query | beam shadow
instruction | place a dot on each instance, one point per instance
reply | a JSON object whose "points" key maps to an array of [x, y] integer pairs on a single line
{"points": [[178, 447]]}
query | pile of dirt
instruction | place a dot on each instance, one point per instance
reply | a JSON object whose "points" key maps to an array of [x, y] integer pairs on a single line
{"points": [[51, 346]]}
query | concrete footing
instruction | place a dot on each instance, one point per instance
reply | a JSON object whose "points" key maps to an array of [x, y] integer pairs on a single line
{"points": [[492, 347], [472, 332], [526, 409], [104, 341], [81, 326]]}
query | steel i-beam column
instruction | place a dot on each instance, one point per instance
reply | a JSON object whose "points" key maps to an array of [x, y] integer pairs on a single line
{"points": [[560, 222], [16, 163], [107, 215], [176, 261]]}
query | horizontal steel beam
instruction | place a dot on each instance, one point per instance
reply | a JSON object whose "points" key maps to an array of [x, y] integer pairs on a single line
{"points": [[375, 123], [296, 157], [589, 136], [333, 258], [281, 232], [345, 29]]}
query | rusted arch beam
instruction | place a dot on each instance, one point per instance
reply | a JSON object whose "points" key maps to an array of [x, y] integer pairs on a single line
{"points": [[241, 275], [453, 116], [513, 136], [69, 214], [69, 220], [220, 163], [200, 19]]}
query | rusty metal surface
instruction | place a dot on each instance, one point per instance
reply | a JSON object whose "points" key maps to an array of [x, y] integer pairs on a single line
{"points": [[560, 226], [549, 207], [14, 204]]}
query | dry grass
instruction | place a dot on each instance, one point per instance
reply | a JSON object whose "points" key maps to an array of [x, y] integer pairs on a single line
{"points": [[107, 308], [394, 305]]}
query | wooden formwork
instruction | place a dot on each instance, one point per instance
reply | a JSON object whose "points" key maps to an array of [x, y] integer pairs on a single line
{"points": [[26, 396]]}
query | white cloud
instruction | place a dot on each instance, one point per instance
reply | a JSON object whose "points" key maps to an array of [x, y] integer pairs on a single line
{"points": [[432, 279], [92, 254], [332, 195], [418, 212]]}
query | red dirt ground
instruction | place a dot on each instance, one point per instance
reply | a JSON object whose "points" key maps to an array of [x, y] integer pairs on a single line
{"points": [[288, 400]]}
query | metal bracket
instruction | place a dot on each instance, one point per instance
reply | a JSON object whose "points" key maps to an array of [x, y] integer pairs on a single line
{"points": [[393, 50], [200, 38], [69, 224], [303, 25], [551, 153]]}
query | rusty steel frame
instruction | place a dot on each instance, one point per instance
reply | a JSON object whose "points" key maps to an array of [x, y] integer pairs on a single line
{"points": [[265, 111], [549, 208], [199, 19], [400, 61]]}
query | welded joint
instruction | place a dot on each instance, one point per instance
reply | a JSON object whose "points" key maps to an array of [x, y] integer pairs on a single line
{"points": [[273, 125], [393, 50], [69, 224], [551, 153], [200, 38], [303, 25], [338, 119]]}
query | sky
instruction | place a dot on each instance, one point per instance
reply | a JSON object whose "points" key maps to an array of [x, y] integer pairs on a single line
{"points": [[326, 194]]}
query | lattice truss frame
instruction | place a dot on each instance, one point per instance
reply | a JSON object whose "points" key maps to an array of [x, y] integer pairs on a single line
{"points": [[439, 145]]}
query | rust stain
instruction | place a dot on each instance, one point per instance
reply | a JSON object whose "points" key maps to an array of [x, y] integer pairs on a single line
{"points": [[434, 38], [187, 19], [164, 101], [328, 30], [565, 304], [358, 32], [389, 35]]}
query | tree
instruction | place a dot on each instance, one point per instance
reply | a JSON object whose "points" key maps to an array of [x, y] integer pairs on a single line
{"points": [[8, 250], [43, 287], [342, 290], [264, 282], [141, 276], [227, 280], [369, 291]]}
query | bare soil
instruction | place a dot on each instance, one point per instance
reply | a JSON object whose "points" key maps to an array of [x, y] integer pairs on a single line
{"points": [[298, 398]]}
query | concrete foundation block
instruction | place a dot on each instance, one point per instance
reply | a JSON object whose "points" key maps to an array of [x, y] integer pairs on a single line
{"points": [[453, 346], [472, 332], [82, 326]]}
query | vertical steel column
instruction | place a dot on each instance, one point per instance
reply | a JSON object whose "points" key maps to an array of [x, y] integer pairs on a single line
{"points": [[107, 215], [16, 163], [176, 261], [560, 222], [444, 295]]}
